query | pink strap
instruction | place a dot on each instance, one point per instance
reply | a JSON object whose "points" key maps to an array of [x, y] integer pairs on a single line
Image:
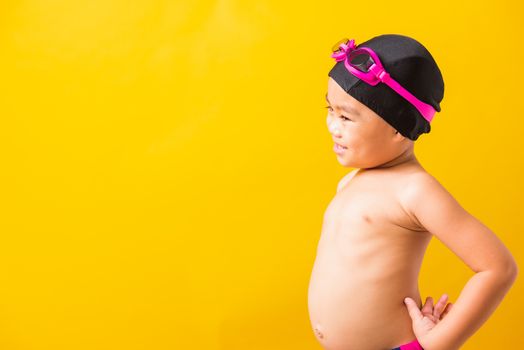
{"points": [[414, 345]]}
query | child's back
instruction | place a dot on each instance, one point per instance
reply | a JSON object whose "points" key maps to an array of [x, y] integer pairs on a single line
{"points": [[368, 258]]}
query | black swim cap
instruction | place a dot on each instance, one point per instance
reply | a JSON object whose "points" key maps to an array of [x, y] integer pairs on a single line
{"points": [[413, 67]]}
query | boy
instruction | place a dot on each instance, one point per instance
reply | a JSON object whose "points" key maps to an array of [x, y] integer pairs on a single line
{"points": [[363, 293]]}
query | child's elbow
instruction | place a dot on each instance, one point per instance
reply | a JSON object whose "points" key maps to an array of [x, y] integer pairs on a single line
{"points": [[510, 271], [514, 271], [505, 272]]}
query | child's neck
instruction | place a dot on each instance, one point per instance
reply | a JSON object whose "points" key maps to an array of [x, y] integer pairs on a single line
{"points": [[405, 158]]}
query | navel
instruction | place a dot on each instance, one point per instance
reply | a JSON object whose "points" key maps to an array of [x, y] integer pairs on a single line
{"points": [[318, 332]]}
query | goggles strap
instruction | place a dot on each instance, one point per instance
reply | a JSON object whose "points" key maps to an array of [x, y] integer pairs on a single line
{"points": [[426, 110]]}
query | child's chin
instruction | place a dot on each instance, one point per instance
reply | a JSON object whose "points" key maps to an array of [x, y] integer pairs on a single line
{"points": [[344, 161]]}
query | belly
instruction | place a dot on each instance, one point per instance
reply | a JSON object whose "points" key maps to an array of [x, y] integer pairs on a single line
{"points": [[355, 300]]}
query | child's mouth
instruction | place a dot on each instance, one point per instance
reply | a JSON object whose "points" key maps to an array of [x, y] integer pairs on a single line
{"points": [[338, 148]]}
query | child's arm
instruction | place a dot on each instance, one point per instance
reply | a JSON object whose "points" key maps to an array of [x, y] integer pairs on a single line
{"points": [[439, 213]]}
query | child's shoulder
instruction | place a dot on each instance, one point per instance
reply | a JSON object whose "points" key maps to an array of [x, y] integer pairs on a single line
{"points": [[422, 192], [421, 182]]}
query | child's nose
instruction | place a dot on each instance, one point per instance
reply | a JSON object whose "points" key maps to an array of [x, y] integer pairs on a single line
{"points": [[334, 126]]}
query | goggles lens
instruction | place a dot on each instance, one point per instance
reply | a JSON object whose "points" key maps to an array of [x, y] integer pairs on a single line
{"points": [[336, 47], [361, 60]]}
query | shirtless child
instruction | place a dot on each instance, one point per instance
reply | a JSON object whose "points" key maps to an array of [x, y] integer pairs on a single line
{"points": [[378, 225]]}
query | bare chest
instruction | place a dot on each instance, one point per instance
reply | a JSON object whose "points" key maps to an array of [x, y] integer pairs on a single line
{"points": [[367, 211], [368, 257]]}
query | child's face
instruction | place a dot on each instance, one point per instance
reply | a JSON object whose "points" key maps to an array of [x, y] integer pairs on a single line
{"points": [[369, 139]]}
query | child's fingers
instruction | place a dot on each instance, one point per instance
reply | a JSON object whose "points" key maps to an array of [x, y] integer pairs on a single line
{"points": [[446, 310], [413, 310], [440, 305], [428, 306]]}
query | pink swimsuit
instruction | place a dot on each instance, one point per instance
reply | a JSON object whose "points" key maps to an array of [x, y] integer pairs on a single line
{"points": [[414, 345]]}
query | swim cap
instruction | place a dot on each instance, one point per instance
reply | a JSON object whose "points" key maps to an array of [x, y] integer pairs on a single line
{"points": [[413, 67]]}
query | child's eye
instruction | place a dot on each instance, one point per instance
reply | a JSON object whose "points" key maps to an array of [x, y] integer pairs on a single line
{"points": [[331, 110]]}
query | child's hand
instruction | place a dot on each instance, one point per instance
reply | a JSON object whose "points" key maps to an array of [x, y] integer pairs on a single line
{"points": [[425, 319]]}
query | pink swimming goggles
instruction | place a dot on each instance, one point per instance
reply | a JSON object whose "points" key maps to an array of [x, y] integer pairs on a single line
{"points": [[365, 65]]}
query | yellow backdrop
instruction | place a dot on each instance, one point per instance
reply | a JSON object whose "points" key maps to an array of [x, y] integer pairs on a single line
{"points": [[166, 164]]}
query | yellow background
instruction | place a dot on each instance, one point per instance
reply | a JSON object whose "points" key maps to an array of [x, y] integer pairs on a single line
{"points": [[166, 164]]}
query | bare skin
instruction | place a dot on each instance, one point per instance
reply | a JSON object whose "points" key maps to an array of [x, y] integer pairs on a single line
{"points": [[363, 292], [372, 244]]}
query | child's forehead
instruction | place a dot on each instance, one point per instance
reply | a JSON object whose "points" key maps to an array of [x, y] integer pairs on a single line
{"points": [[335, 93], [337, 97]]}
